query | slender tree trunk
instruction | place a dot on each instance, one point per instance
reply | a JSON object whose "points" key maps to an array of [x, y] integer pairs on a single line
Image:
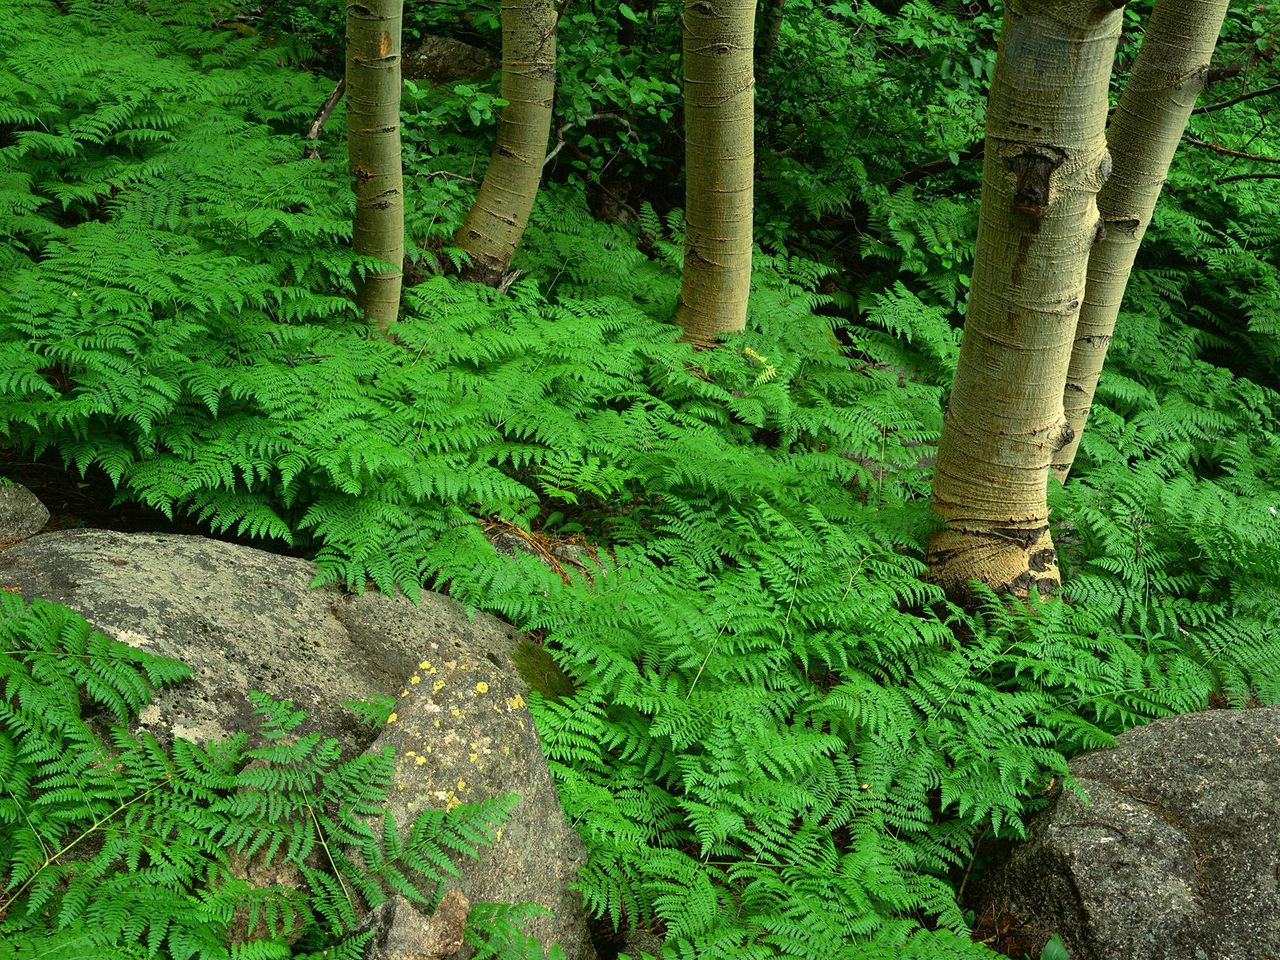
{"points": [[497, 219], [373, 142], [1044, 161], [719, 102], [1172, 69], [773, 16]]}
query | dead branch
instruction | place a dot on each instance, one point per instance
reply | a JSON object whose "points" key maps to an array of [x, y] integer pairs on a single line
{"points": [[1222, 105], [313, 131], [1204, 144], [580, 121], [1249, 176]]}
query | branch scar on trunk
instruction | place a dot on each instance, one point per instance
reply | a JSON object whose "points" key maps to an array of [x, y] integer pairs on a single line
{"points": [[1032, 170]]}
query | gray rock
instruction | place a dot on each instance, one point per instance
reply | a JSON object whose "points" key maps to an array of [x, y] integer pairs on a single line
{"points": [[638, 944], [243, 620], [248, 620], [439, 60], [461, 731], [1175, 857], [400, 932], [21, 514]]}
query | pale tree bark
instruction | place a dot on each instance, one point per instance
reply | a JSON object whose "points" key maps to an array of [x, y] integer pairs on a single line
{"points": [[1045, 160], [373, 144], [497, 219], [719, 124], [1171, 70]]}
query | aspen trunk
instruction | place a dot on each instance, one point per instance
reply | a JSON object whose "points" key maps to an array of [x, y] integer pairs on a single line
{"points": [[719, 104], [497, 219], [1046, 157], [1143, 136], [373, 143], [774, 14]]}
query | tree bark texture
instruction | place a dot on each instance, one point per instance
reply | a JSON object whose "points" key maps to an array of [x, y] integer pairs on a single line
{"points": [[1171, 70], [1045, 159], [719, 103], [373, 143], [497, 219]]}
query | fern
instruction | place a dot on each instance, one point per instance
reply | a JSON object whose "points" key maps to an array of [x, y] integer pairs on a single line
{"points": [[779, 740], [111, 844]]}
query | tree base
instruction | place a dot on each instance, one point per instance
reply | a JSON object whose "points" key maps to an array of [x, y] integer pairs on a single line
{"points": [[1010, 560]]}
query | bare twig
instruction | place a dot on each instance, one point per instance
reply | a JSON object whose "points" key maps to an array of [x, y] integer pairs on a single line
{"points": [[1222, 105], [1250, 176], [432, 174], [1204, 144], [1225, 71], [579, 121], [971, 152], [313, 131]]}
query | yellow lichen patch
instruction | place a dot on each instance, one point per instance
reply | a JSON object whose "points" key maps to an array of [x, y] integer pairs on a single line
{"points": [[516, 702], [437, 723], [439, 684], [425, 665], [521, 722], [456, 712], [409, 753], [498, 835], [420, 760], [462, 784], [452, 803], [415, 680], [482, 687], [392, 718], [404, 693], [473, 757]]}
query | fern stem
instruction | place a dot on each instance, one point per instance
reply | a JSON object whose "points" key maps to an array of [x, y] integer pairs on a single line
{"points": [[88, 831], [328, 854]]}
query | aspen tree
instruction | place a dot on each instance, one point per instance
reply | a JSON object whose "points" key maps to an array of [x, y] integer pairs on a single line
{"points": [[497, 219], [1144, 133], [719, 105], [373, 143], [1045, 160]]}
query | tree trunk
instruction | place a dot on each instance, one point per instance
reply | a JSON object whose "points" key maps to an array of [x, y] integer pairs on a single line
{"points": [[373, 143], [1171, 70], [719, 82], [1044, 162], [775, 13], [497, 219]]}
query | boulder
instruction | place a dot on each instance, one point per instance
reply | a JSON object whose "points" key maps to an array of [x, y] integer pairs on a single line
{"points": [[247, 620], [461, 731], [638, 944], [401, 932], [21, 514], [436, 59], [1175, 855]]}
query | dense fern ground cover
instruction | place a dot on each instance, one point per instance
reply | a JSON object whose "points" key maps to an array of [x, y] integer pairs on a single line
{"points": [[780, 741]]}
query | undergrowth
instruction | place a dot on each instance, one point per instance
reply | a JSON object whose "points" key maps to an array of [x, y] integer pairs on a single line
{"points": [[114, 847], [781, 741]]}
